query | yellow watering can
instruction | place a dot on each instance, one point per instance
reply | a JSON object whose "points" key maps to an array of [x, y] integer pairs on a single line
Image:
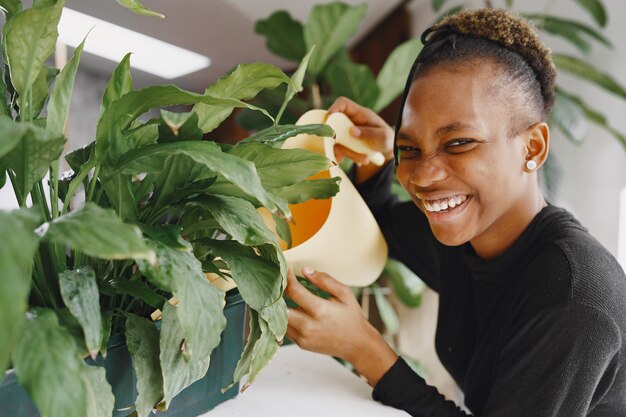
{"points": [[338, 235]]}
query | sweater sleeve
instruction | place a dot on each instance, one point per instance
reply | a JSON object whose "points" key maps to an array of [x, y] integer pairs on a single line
{"points": [[560, 364], [404, 226]]}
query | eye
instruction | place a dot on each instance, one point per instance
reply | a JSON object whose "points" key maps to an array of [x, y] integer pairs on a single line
{"points": [[408, 152], [460, 145]]}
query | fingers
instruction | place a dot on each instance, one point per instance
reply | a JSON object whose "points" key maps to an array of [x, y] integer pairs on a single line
{"points": [[359, 115], [343, 152], [299, 294], [329, 284]]}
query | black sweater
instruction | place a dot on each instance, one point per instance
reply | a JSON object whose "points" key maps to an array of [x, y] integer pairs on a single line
{"points": [[538, 331]]}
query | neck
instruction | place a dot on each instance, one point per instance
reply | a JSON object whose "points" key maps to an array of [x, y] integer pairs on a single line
{"points": [[503, 233]]}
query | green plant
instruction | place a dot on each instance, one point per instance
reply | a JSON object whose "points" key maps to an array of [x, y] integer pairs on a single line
{"points": [[162, 208], [331, 73]]}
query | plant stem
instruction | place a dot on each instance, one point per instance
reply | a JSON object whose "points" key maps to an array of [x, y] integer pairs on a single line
{"points": [[21, 199], [75, 183], [92, 184], [54, 188], [317, 98], [39, 200]]}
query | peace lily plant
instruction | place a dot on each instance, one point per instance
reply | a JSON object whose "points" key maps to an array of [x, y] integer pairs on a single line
{"points": [[162, 208]]}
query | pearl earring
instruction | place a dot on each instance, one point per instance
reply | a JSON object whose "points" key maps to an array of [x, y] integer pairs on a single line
{"points": [[531, 165]]}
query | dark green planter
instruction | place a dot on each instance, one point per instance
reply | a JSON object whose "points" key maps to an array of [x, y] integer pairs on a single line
{"points": [[198, 398]]}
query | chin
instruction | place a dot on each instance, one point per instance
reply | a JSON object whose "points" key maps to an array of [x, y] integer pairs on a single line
{"points": [[449, 236]]}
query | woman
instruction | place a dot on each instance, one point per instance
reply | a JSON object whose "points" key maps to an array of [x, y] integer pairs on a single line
{"points": [[532, 315]]}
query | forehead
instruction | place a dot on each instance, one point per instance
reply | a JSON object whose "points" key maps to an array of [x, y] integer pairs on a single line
{"points": [[460, 95]]}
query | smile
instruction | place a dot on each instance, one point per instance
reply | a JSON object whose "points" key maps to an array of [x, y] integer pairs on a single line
{"points": [[443, 205]]}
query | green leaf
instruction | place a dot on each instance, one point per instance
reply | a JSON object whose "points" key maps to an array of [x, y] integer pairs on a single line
{"points": [[98, 232], [283, 35], [32, 156], [569, 30], [308, 189], [596, 9], [80, 294], [392, 77], [140, 290], [355, 81], [39, 91], [179, 126], [387, 313], [261, 353], [79, 156], [592, 114], [107, 321], [16, 258], [407, 286], [119, 84], [191, 330], [142, 339], [235, 170], [4, 104], [121, 113], [569, 118], [437, 5], [10, 7], [244, 83], [277, 135], [281, 167], [119, 190], [30, 40], [100, 399], [282, 228], [582, 69], [12, 134], [59, 103], [49, 367], [329, 27], [296, 86], [238, 218], [135, 6], [258, 279]]}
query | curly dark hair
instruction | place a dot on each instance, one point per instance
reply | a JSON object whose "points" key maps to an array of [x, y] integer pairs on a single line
{"points": [[501, 37]]}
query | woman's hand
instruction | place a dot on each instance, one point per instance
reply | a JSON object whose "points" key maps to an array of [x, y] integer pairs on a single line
{"points": [[369, 127], [336, 326]]}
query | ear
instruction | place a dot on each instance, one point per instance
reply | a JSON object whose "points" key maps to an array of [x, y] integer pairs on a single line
{"points": [[538, 143]]}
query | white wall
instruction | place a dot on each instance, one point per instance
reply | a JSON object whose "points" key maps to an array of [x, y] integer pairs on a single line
{"points": [[594, 173]]}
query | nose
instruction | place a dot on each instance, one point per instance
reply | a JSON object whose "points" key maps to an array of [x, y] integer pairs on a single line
{"points": [[427, 172]]}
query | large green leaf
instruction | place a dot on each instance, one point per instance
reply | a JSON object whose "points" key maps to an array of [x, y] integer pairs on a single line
{"points": [[592, 114], [569, 118], [281, 167], [138, 289], [260, 354], [32, 156], [98, 232], [16, 258], [30, 40], [59, 103], [570, 30], [283, 35], [49, 367], [355, 81], [119, 84], [244, 83], [135, 6], [39, 92], [407, 286], [329, 27], [235, 170], [583, 69], [79, 156], [80, 294], [119, 191], [277, 135], [596, 9], [179, 126], [238, 218], [191, 330], [308, 189], [258, 279], [142, 339], [392, 76], [296, 85], [4, 104], [100, 399], [120, 114]]}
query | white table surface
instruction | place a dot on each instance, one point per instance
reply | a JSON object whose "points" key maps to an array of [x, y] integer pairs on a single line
{"points": [[305, 384]]}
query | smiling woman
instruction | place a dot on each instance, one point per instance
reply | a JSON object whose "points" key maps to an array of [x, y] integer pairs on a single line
{"points": [[532, 315]]}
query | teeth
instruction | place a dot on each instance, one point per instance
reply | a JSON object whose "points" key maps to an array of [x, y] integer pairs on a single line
{"points": [[435, 206]]}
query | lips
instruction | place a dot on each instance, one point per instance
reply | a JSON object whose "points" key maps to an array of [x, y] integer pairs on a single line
{"points": [[444, 204]]}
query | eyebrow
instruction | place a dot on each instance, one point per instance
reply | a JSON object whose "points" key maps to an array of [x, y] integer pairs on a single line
{"points": [[439, 132]]}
